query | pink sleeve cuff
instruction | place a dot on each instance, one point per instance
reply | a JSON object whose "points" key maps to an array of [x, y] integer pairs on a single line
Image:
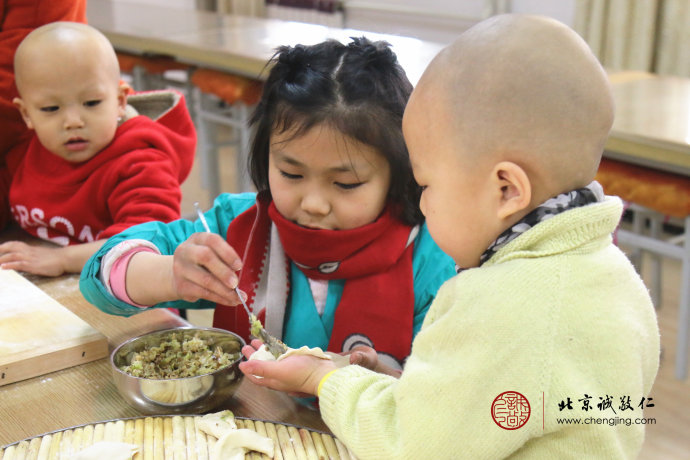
{"points": [[118, 274]]}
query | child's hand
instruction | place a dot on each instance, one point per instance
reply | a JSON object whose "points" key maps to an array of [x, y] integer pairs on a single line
{"points": [[299, 374], [365, 356], [248, 350], [204, 267], [39, 260], [46, 260]]}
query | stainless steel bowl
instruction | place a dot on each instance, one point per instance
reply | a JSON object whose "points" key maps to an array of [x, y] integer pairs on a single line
{"points": [[181, 395]]}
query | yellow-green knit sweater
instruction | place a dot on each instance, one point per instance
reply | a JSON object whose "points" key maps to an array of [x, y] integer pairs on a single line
{"points": [[557, 313]]}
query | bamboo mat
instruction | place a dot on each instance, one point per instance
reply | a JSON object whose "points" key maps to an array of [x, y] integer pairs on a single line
{"points": [[175, 438]]}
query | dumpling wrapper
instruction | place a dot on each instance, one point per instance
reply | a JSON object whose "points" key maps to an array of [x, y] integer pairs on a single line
{"points": [[305, 350], [109, 450], [262, 354], [217, 424], [235, 443]]}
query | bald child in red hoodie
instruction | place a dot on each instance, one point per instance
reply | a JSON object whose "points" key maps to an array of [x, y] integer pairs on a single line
{"points": [[100, 161], [17, 19]]}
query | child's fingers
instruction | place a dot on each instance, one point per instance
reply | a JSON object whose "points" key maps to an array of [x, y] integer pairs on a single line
{"points": [[249, 367], [357, 358], [28, 263], [248, 351], [12, 246], [212, 297], [197, 260], [296, 374], [364, 356], [16, 266], [218, 258], [11, 256], [201, 284], [192, 281], [256, 372], [5, 257], [223, 250], [252, 372]]}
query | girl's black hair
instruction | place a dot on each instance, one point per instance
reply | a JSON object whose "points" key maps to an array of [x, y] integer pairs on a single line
{"points": [[359, 89]]}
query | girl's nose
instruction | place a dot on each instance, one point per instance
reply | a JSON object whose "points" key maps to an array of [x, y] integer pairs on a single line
{"points": [[315, 203]]}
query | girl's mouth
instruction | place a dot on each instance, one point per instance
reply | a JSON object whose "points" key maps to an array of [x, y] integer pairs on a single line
{"points": [[314, 227]]}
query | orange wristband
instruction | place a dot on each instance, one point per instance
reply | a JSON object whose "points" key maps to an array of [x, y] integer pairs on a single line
{"points": [[323, 379]]}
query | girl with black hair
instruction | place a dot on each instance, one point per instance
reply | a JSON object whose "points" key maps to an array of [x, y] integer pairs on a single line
{"points": [[332, 251]]}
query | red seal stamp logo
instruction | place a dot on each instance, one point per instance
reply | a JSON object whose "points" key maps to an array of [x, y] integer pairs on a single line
{"points": [[510, 410]]}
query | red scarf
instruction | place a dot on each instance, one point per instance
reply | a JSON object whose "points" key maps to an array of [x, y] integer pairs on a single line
{"points": [[377, 304]]}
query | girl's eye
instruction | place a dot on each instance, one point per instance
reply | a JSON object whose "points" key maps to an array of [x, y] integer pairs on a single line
{"points": [[92, 103], [423, 187], [49, 109], [290, 176], [348, 186]]}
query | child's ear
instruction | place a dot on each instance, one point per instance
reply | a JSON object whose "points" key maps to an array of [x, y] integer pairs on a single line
{"points": [[123, 90], [19, 104], [514, 188]]}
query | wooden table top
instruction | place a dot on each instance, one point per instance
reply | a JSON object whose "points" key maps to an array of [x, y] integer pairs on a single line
{"points": [[651, 128], [652, 124], [237, 44], [86, 394]]}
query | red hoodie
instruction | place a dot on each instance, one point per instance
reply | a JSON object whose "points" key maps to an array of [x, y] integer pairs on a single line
{"points": [[135, 179], [17, 19]]}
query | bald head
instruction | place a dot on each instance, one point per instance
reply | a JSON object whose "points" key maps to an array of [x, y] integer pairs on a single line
{"points": [[525, 89], [65, 44]]}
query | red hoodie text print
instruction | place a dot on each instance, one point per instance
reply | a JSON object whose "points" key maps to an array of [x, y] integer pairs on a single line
{"points": [[57, 226]]}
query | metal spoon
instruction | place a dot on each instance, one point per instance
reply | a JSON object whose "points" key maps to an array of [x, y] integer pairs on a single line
{"points": [[275, 346]]}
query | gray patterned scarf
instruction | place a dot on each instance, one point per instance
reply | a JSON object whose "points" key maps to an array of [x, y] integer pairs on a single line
{"points": [[556, 205]]}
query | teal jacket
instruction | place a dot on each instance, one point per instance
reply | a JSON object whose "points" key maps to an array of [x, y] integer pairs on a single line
{"points": [[431, 268]]}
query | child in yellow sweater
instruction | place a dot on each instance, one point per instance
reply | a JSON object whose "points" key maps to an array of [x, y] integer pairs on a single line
{"points": [[547, 320]]}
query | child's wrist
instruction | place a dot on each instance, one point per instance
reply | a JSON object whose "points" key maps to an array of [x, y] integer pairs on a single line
{"points": [[153, 289], [323, 379]]}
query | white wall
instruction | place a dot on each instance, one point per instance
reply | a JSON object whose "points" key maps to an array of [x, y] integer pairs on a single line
{"points": [[442, 20], [190, 4], [563, 10], [433, 20]]}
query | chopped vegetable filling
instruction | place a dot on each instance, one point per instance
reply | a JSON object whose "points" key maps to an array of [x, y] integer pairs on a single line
{"points": [[176, 359]]}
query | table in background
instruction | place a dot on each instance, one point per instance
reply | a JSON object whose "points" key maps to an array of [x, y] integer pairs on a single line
{"points": [[652, 130], [652, 123], [230, 43], [86, 393], [233, 44], [651, 127]]}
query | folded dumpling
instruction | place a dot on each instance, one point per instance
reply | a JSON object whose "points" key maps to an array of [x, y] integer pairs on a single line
{"points": [[217, 423], [109, 450], [235, 443]]}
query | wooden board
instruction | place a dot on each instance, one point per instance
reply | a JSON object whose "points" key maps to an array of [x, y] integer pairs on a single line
{"points": [[175, 437], [38, 335]]}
